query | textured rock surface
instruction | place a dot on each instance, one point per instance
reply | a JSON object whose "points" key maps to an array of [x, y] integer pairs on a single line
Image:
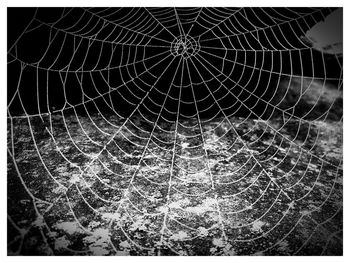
{"points": [[249, 187]]}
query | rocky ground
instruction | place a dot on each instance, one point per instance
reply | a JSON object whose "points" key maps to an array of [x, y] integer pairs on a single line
{"points": [[227, 187]]}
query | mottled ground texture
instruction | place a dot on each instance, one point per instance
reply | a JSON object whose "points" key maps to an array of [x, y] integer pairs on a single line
{"points": [[225, 187]]}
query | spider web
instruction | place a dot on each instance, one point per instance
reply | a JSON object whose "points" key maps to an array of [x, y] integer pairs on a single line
{"points": [[160, 131]]}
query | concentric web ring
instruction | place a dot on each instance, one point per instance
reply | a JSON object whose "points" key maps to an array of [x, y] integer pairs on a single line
{"points": [[173, 131]]}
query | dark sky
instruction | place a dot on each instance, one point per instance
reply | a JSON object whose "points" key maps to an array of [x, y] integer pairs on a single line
{"points": [[82, 62]]}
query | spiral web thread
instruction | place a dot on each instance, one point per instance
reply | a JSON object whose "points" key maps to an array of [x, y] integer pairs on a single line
{"points": [[153, 180]]}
